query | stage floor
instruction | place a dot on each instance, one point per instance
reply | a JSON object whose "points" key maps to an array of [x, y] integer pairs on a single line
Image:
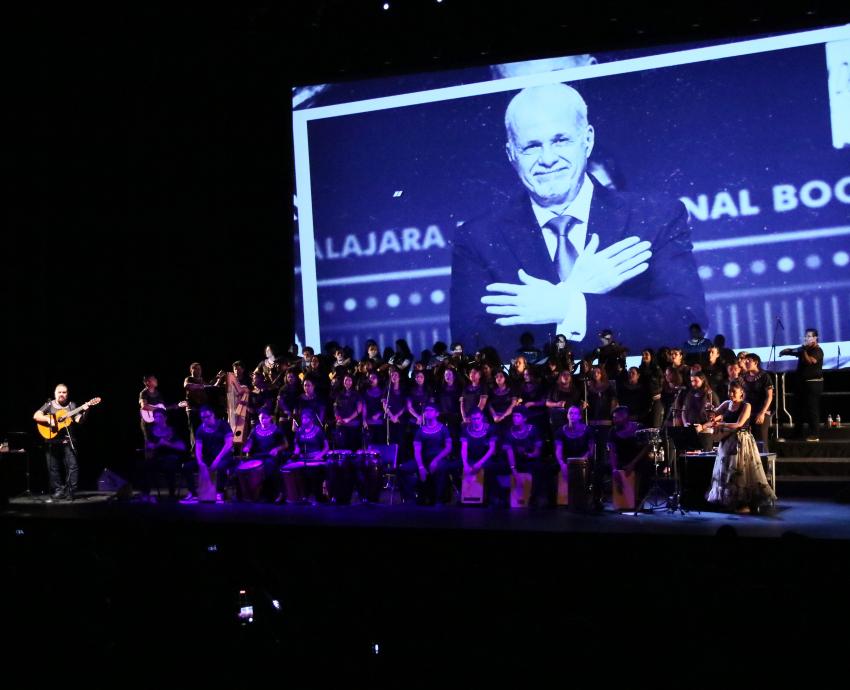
{"points": [[812, 518]]}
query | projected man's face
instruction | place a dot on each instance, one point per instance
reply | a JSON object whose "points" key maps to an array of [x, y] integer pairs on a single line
{"points": [[548, 144]]}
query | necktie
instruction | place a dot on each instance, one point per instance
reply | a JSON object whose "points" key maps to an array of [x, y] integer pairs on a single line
{"points": [[565, 252]]}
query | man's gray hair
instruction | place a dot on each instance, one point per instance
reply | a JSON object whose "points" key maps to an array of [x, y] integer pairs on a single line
{"points": [[547, 96]]}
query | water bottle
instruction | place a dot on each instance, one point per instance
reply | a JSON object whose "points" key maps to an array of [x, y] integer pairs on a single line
{"points": [[838, 421], [829, 421]]}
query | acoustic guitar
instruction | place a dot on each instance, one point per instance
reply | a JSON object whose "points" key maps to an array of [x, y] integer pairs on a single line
{"points": [[62, 419], [147, 415]]}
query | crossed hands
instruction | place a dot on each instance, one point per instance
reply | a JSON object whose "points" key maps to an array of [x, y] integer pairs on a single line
{"points": [[537, 301]]}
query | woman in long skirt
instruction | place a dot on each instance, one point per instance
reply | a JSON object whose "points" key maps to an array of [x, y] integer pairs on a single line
{"points": [[738, 481]]}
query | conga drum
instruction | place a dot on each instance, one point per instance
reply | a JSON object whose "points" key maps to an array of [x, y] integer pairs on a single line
{"points": [[293, 483], [520, 489], [338, 478], [624, 490], [577, 476], [250, 474], [368, 464], [472, 488]]}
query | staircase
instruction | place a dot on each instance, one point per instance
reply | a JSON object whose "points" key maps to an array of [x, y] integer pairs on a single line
{"points": [[819, 468]]}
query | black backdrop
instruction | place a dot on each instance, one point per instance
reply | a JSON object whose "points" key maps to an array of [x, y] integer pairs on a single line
{"points": [[148, 172], [148, 215]]}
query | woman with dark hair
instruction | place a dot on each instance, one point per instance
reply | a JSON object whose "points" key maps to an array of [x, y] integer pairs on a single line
{"points": [[698, 409], [523, 447], [402, 358], [348, 414], [633, 392], [501, 401], [533, 398], [449, 397], [671, 396], [738, 481], [309, 449], [310, 401], [601, 398], [601, 401], [374, 420], [373, 353], [267, 443], [562, 395], [574, 439], [395, 406], [474, 394]]}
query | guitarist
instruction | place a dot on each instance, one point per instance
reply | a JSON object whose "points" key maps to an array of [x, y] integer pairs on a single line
{"points": [[150, 399], [61, 450]]}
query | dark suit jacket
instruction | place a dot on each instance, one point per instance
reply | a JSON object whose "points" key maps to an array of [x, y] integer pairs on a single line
{"points": [[652, 309]]}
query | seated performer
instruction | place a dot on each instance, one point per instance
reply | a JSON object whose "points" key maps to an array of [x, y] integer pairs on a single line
{"points": [[310, 448], [738, 481], [628, 454], [478, 449], [432, 447], [165, 452], [574, 439], [267, 442], [213, 448], [523, 448]]}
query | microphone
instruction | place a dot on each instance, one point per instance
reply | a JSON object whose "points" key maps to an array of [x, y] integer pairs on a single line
{"points": [[779, 323]]}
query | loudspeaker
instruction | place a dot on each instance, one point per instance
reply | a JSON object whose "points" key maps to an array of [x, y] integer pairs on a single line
{"points": [[112, 483]]}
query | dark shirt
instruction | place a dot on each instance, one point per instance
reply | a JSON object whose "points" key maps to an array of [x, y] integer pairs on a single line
{"points": [[472, 396], [626, 446], [373, 399], [346, 405], [213, 441], [396, 401], [500, 401], [574, 447], [599, 402], [522, 445], [449, 399], [311, 443], [316, 405], [433, 443], [811, 372], [150, 397], [755, 390], [699, 408], [477, 447], [263, 445], [195, 398], [418, 397]]}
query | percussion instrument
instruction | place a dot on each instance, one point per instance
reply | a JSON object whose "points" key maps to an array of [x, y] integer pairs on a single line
{"points": [[651, 435], [520, 489], [250, 474], [293, 482], [206, 483], [368, 464], [578, 472], [472, 488], [338, 480], [624, 490]]}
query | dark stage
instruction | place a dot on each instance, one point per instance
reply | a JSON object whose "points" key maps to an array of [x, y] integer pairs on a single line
{"points": [[458, 594]]}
